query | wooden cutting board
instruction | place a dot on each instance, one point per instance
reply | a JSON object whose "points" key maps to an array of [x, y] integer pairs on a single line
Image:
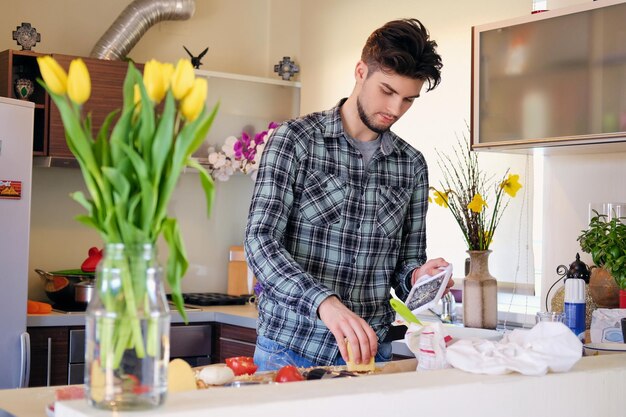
{"points": [[238, 272]]}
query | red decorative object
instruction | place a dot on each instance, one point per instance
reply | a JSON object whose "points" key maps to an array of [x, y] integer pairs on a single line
{"points": [[622, 298], [92, 260]]}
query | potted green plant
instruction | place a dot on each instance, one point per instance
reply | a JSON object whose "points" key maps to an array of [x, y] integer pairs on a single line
{"points": [[605, 241]]}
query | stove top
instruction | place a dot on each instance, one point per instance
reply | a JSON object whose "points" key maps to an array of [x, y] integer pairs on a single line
{"points": [[214, 299], [69, 309]]}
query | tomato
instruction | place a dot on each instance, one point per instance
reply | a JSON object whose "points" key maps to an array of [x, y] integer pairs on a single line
{"points": [[241, 365], [288, 373]]}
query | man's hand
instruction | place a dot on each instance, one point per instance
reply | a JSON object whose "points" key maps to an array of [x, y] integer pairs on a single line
{"points": [[344, 324], [431, 267]]}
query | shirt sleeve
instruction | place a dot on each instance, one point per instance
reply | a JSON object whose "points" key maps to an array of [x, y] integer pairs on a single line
{"points": [[282, 278], [413, 243]]}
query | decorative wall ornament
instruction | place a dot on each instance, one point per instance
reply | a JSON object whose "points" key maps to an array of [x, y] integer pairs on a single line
{"points": [[26, 36], [196, 60], [24, 88], [286, 68]]}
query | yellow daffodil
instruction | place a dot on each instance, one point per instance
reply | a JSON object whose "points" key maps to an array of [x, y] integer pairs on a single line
{"points": [[154, 80], [487, 237], [477, 203], [78, 82], [53, 74], [193, 103], [441, 198], [182, 79], [511, 185]]}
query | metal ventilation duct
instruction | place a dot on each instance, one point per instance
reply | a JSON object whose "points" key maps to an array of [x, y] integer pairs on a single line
{"points": [[134, 21]]}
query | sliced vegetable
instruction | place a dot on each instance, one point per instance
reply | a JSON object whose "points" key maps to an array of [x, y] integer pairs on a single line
{"points": [[288, 373], [241, 365], [180, 376]]}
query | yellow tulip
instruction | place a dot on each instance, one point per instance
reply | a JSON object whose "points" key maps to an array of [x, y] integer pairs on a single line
{"points": [[167, 70], [193, 103], [154, 81], [477, 203], [182, 79], [78, 82], [53, 74], [511, 185]]}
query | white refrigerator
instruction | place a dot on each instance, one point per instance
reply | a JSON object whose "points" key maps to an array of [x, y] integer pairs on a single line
{"points": [[16, 167]]}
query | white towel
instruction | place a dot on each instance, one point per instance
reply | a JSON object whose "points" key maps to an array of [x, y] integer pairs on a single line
{"points": [[549, 346]]}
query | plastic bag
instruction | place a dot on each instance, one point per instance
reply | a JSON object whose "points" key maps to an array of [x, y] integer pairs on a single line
{"points": [[428, 344]]}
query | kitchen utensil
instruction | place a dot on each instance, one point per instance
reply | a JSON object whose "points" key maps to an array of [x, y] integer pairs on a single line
{"points": [[62, 287], [402, 309]]}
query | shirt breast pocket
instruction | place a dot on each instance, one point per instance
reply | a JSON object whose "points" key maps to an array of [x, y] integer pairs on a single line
{"points": [[392, 205], [322, 199]]}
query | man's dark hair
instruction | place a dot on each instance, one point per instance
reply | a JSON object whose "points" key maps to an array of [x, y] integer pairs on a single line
{"points": [[404, 47]]}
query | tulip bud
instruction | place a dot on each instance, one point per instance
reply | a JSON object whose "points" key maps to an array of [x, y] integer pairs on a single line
{"points": [[53, 74], [154, 81], [182, 79], [78, 82], [193, 103], [167, 70]]}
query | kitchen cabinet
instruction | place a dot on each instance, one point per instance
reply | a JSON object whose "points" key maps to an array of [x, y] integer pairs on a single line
{"points": [[245, 102], [107, 79], [536, 84], [16, 65], [234, 341], [49, 350], [58, 353]]}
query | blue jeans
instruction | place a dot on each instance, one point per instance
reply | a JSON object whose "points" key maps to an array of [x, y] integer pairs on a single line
{"points": [[269, 355]]}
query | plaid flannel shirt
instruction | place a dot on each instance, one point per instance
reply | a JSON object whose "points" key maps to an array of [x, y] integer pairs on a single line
{"points": [[322, 224]]}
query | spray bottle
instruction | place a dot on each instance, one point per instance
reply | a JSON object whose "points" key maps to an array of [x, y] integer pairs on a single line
{"points": [[575, 306]]}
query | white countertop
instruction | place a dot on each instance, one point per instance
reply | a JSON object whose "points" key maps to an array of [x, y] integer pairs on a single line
{"points": [[594, 387]]}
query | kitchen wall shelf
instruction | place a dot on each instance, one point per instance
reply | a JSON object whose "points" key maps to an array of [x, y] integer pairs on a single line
{"points": [[246, 102], [23, 64], [249, 78]]}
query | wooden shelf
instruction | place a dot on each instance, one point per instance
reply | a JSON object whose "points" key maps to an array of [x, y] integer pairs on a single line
{"points": [[250, 78]]}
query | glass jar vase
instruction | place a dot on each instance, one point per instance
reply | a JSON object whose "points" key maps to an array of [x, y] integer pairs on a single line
{"points": [[127, 331]]}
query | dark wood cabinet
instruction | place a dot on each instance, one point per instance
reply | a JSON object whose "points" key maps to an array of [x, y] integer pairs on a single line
{"points": [[234, 341], [17, 65], [58, 353], [49, 353], [107, 80]]}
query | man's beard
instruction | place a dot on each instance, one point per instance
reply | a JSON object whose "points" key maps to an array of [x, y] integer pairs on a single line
{"points": [[368, 122]]}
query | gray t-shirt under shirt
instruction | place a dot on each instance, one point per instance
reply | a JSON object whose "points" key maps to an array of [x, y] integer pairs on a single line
{"points": [[367, 149]]}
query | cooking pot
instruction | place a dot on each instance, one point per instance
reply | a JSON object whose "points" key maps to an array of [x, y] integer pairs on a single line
{"points": [[68, 288]]}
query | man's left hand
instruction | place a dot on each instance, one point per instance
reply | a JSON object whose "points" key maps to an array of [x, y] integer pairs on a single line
{"points": [[431, 267]]}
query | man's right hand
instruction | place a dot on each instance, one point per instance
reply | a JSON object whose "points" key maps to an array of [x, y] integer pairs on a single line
{"points": [[344, 324]]}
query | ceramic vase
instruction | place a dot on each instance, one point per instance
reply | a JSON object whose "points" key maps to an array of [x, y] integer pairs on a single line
{"points": [[127, 331], [480, 293]]}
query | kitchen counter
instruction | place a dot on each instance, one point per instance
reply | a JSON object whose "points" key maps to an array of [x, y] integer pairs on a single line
{"points": [[594, 387], [238, 315]]}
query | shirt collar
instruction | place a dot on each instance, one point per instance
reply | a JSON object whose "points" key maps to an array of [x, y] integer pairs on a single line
{"points": [[334, 129]]}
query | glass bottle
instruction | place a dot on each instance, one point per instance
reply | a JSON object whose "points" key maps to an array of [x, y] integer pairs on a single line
{"points": [[127, 331]]}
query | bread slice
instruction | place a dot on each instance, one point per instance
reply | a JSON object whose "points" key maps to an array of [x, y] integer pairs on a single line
{"points": [[360, 367]]}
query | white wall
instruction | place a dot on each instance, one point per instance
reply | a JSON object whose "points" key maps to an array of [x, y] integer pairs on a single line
{"points": [[330, 49], [245, 37], [325, 37]]}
